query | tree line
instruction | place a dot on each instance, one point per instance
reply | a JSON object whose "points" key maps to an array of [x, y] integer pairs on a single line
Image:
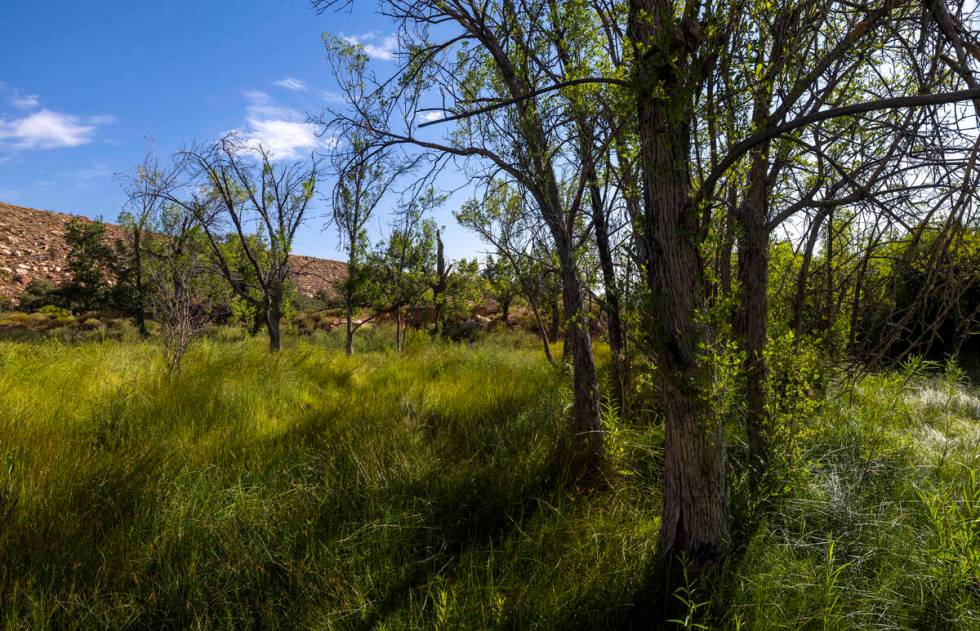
{"points": [[670, 161]]}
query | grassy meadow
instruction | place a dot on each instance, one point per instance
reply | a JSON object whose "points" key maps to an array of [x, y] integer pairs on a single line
{"points": [[424, 490]]}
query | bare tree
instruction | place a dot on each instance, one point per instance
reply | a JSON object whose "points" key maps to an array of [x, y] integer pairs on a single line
{"points": [[364, 174], [142, 212], [183, 294], [483, 52], [259, 204]]}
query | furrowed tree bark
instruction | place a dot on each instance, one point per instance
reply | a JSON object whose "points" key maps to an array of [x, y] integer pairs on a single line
{"points": [[695, 513]]}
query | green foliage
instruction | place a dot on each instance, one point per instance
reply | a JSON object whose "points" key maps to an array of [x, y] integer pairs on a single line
{"points": [[38, 294], [97, 267]]}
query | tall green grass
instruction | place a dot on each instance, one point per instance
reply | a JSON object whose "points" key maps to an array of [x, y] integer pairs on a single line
{"points": [[420, 490]]}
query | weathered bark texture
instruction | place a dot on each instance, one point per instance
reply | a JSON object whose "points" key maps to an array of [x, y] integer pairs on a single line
{"points": [[695, 514]]}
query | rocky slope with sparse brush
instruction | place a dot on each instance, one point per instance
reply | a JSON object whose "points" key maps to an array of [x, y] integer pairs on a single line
{"points": [[32, 246]]}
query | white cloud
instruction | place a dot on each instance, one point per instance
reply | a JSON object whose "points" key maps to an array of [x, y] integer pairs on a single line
{"points": [[46, 129], [282, 131], [25, 102], [291, 83], [428, 117], [383, 49]]}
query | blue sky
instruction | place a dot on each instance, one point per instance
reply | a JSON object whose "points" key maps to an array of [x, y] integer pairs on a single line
{"points": [[85, 86]]}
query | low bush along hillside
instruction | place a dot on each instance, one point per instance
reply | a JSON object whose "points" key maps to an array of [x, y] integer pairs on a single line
{"points": [[312, 490]]}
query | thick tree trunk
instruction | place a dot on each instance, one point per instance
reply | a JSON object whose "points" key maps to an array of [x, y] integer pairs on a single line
{"points": [[695, 512], [504, 311]]}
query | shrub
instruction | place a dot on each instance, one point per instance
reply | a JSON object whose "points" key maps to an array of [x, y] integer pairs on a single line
{"points": [[92, 323], [40, 293]]}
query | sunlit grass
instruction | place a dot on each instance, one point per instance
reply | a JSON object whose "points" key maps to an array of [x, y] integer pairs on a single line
{"points": [[313, 490]]}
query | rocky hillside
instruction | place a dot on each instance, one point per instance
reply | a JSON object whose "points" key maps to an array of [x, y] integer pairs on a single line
{"points": [[32, 245]]}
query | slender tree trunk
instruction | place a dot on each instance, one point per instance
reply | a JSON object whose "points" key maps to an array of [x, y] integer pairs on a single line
{"points": [[439, 287], [349, 313], [611, 298], [536, 156], [601, 225], [273, 319], [140, 289], [504, 310], [829, 276], [555, 325], [587, 422], [799, 299], [750, 320], [257, 324], [727, 245], [398, 329], [695, 512]]}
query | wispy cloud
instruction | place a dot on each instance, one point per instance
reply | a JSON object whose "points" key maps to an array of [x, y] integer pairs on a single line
{"points": [[284, 132], [428, 117], [25, 102], [376, 47], [291, 83], [18, 99], [46, 129]]}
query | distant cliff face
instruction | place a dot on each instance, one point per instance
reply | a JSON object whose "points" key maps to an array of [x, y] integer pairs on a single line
{"points": [[32, 246]]}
